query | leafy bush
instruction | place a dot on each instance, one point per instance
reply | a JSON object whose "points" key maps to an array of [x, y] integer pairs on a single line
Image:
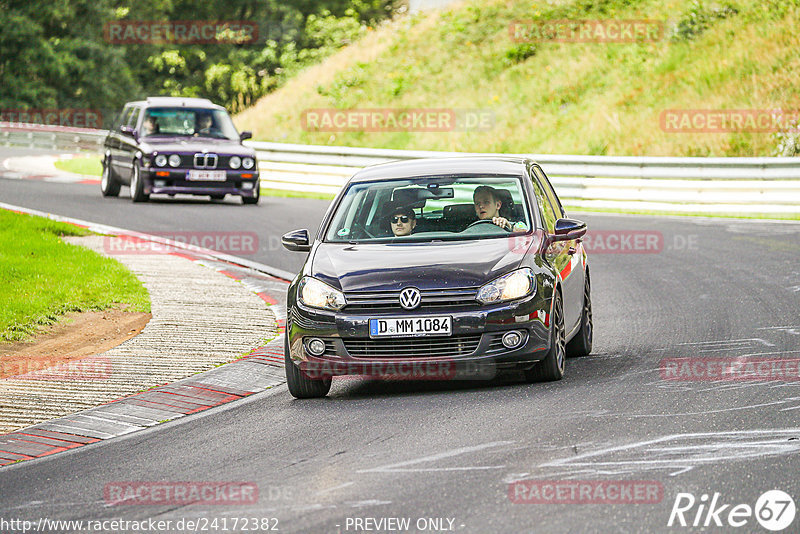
{"points": [[521, 52], [698, 19]]}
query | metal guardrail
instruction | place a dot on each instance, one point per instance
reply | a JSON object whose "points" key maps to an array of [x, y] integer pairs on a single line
{"points": [[705, 185]]}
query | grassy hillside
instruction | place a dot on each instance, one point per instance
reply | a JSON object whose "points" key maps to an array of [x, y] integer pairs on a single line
{"points": [[556, 97]]}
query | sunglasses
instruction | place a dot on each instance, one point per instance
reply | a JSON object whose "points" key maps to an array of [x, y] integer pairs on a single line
{"points": [[401, 218]]}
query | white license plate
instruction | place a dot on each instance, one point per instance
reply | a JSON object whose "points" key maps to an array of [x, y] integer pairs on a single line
{"points": [[410, 326], [205, 176]]}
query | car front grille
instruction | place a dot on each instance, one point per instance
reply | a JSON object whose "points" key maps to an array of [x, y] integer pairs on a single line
{"points": [[390, 300], [205, 161], [424, 347]]}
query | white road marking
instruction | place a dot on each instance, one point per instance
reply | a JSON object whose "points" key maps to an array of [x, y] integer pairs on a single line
{"points": [[398, 467], [340, 486], [686, 454]]}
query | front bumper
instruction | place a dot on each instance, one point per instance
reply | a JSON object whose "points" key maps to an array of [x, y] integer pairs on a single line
{"points": [[475, 342], [173, 181]]}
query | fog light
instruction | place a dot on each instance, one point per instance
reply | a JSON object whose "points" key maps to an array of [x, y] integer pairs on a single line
{"points": [[316, 347], [512, 340], [247, 186], [160, 183]]}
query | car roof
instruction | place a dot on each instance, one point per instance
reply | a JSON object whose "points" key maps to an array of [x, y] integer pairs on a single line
{"points": [[455, 166], [176, 101]]}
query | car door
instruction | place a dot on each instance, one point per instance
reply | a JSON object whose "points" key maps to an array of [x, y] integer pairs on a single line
{"points": [[114, 141], [563, 255], [129, 144]]}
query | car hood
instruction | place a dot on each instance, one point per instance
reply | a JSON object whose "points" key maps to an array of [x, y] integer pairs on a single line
{"points": [[194, 144], [375, 267]]}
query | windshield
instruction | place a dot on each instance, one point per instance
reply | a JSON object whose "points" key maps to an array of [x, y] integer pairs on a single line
{"points": [[427, 209], [189, 122]]}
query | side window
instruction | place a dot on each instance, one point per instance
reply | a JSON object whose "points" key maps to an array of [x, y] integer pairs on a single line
{"points": [[134, 117], [548, 190], [548, 213]]}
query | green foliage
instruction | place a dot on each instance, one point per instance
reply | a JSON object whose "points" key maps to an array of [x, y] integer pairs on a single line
{"points": [[55, 55], [520, 52], [698, 18], [787, 142]]}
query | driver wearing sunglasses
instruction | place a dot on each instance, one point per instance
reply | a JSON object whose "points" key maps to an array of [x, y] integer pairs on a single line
{"points": [[403, 220]]}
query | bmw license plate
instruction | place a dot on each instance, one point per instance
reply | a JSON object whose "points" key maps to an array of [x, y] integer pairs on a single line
{"points": [[205, 176], [415, 326]]}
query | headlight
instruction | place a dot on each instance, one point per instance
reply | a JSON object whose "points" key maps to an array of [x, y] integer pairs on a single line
{"points": [[317, 294], [248, 163], [514, 285], [175, 160], [235, 162], [161, 160]]}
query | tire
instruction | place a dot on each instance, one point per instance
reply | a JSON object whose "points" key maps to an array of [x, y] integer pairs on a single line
{"points": [[299, 386], [109, 186], [581, 344], [137, 186], [255, 199], [552, 367]]}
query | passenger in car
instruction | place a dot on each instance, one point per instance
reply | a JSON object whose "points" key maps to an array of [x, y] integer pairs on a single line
{"points": [[403, 220], [150, 125], [488, 204]]}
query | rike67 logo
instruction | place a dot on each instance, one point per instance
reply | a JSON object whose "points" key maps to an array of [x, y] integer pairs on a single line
{"points": [[774, 510]]}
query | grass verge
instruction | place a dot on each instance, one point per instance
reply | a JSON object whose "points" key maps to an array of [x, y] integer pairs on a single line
{"points": [[42, 278], [748, 216], [88, 165], [284, 193]]}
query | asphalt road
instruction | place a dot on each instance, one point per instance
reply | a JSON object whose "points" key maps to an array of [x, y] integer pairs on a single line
{"points": [[380, 450]]}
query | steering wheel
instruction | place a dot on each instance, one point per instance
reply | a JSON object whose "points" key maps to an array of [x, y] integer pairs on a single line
{"points": [[484, 221], [362, 228]]}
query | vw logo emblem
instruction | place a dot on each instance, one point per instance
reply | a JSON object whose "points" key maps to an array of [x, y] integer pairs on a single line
{"points": [[410, 298]]}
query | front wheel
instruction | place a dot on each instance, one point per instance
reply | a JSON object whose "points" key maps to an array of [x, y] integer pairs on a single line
{"points": [[581, 344], [552, 367], [109, 186], [302, 387], [137, 185], [255, 199]]}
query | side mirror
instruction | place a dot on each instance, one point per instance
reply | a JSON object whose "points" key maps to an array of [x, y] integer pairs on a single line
{"points": [[130, 131], [296, 241], [568, 229], [245, 135]]}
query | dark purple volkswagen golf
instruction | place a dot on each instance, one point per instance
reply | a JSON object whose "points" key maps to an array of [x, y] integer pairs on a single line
{"points": [[439, 269], [169, 145]]}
